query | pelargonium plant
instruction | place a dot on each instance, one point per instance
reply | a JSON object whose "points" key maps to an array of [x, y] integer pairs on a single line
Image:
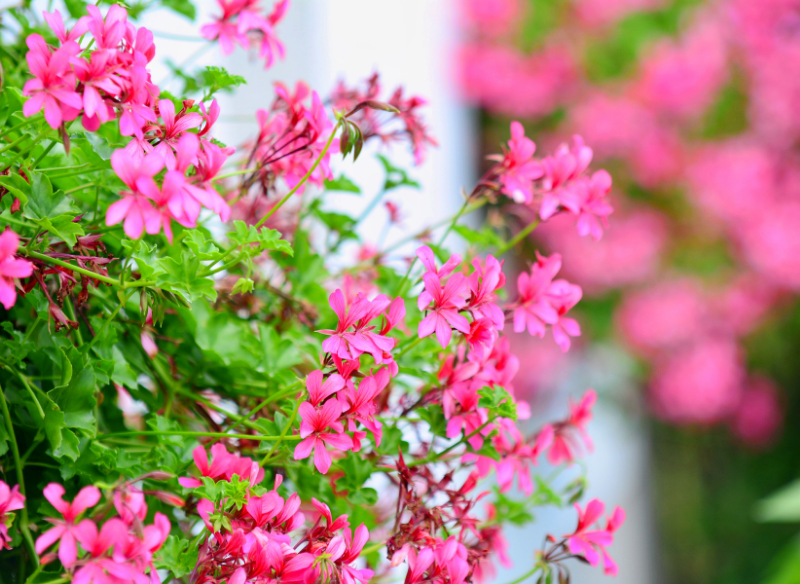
{"points": [[192, 392]]}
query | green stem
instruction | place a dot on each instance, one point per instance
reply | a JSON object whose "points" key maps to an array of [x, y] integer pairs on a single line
{"points": [[73, 167], [23, 523], [29, 389], [75, 173], [518, 237], [283, 436], [194, 434], [106, 324], [45, 153], [304, 179], [23, 123], [57, 262], [14, 143], [235, 173]]}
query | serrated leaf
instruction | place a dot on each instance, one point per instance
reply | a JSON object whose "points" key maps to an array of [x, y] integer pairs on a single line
{"points": [[177, 556], [17, 186], [42, 202], [64, 228]]}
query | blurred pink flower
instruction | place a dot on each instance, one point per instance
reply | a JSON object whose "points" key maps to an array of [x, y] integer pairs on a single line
{"points": [[759, 416], [491, 17], [665, 315], [629, 253], [698, 384]]}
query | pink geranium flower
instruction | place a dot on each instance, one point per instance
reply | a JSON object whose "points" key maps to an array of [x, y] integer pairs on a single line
{"points": [[10, 500], [53, 88], [65, 531], [11, 268], [519, 167], [446, 303], [592, 544], [313, 428], [134, 207]]}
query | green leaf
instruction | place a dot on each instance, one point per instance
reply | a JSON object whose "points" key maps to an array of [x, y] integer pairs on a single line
{"points": [[484, 238], [100, 145], [178, 556], [64, 228], [266, 239], [17, 186], [343, 184], [243, 286], [217, 78], [182, 7], [395, 177], [43, 203], [183, 277], [278, 354], [498, 401], [434, 415]]}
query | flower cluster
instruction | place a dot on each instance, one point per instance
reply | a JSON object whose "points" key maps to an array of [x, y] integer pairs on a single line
{"points": [[378, 123], [553, 184], [250, 539], [119, 550], [241, 22], [654, 115], [111, 80]]}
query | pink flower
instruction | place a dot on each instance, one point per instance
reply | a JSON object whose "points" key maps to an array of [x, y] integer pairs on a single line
{"points": [[592, 544], [759, 415], [312, 430], [65, 531], [484, 282], [593, 208], [663, 316], [566, 165], [10, 500], [56, 23], [481, 338], [447, 301], [223, 466], [353, 544], [519, 170], [534, 308], [95, 77], [700, 383], [562, 297], [135, 207], [11, 268], [567, 436], [173, 128], [318, 391], [350, 344], [53, 88], [361, 406], [425, 255], [107, 31]]}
